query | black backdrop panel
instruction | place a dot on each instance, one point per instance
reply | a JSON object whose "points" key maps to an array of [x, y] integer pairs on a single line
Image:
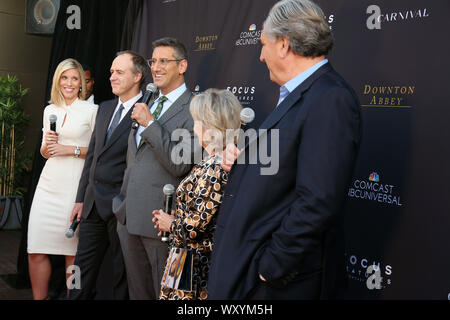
{"points": [[222, 42], [399, 73], [397, 208]]}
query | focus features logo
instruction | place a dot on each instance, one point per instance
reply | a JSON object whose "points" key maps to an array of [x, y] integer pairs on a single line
{"points": [[330, 20], [376, 17], [388, 96], [375, 275], [245, 94], [249, 37], [374, 190]]}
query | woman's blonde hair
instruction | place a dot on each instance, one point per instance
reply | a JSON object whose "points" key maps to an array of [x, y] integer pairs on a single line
{"points": [[56, 96], [219, 112]]}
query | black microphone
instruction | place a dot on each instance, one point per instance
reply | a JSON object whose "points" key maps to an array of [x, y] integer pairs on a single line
{"points": [[71, 231], [168, 191], [52, 118], [247, 116], [150, 90]]}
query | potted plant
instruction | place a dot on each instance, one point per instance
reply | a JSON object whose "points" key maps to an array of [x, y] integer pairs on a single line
{"points": [[14, 163]]}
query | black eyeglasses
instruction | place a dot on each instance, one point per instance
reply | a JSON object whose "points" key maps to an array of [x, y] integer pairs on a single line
{"points": [[162, 62]]}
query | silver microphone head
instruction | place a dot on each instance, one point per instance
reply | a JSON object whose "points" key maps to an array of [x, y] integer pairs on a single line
{"points": [[52, 118], [70, 233], [168, 189], [247, 115], [152, 87]]}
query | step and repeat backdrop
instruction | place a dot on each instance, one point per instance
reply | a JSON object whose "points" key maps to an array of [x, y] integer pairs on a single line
{"points": [[395, 54]]}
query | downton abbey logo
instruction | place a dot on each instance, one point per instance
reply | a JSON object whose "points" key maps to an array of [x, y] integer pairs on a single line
{"points": [[206, 43], [387, 96]]}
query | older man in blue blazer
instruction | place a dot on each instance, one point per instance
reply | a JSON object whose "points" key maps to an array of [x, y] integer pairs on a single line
{"points": [[280, 231]]}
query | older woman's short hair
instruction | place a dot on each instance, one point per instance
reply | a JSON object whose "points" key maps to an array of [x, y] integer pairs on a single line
{"points": [[219, 113], [303, 23], [56, 96]]}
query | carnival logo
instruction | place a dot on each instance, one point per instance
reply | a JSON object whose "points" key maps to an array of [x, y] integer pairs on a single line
{"points": [[245, 94], [250, 37], [377, 17], [404, 15], [372, 274], [373, 190], [205, 43], [382, 96]]}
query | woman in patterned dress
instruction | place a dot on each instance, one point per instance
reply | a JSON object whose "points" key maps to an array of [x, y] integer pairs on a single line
{"points": [[216, 115]]}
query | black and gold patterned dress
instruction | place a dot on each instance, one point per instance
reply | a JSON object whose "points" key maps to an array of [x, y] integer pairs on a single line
{"points": [[199, 196]]}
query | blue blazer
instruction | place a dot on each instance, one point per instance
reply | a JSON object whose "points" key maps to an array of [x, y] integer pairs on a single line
{"points": [[288, 226]]}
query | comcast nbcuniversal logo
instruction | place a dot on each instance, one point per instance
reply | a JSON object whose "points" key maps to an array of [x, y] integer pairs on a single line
{"points": [[249, 37], [375, 190]]}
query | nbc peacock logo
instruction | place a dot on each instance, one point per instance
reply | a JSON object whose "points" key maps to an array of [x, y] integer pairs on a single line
{"points": [[374, 177], [252, 27]]}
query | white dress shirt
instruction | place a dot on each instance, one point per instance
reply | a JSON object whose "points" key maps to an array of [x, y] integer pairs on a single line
{"points": [[91, 99], [126, 107]]}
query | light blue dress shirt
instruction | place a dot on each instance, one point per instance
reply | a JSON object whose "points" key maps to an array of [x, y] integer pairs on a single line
{"points": [[290, 86]]}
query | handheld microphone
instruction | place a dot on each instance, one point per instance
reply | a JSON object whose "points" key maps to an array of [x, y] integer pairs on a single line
{"points": [[247, 116], [168, 191], [150, 90], [71, 231], [52, 118]]}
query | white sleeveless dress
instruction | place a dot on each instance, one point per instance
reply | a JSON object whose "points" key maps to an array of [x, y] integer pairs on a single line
{"points": [[55, 194]]}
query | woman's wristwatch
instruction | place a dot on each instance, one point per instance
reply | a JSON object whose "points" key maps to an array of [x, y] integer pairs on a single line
{"points": [[77, 151]]}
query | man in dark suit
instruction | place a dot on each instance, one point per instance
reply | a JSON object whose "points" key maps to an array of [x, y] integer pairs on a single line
{"points": [[279, 232], [155, 157], [102, 178]]}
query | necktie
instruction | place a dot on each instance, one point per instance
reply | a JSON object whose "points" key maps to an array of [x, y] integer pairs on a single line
{"points": [[159, 107], [115, 122], [284, 92]]}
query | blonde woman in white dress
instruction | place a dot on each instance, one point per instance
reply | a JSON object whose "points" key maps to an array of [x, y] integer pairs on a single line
{"points": [[55, 193]]}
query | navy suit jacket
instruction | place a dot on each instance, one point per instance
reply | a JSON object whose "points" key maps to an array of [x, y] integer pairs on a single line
{"points": [[105, 163], [289, 225]]}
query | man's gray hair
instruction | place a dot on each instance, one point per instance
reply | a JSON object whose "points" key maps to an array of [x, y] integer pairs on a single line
{"points": [[303, 23]]}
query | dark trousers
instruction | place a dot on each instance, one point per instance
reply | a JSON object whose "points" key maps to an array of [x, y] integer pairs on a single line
{"points": [[94, 237]]}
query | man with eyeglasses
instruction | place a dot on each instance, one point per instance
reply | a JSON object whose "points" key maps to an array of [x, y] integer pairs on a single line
{"points": [[150, 166]]}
